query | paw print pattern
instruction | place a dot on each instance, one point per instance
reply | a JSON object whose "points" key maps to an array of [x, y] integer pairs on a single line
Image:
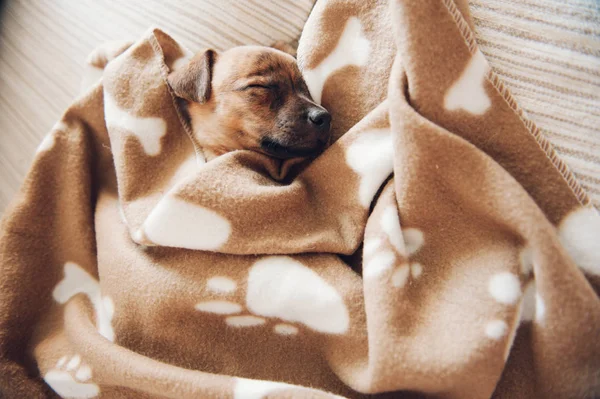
{"points": [[280, 287], [414, 241], [230, 308], [70, 378], [223, 286], [404, 242], [532, 304], [578, 233], [506, 288]]}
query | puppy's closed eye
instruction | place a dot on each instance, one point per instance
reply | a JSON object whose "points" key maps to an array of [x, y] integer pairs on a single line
{"points": [[251, 98], [260, 86]]}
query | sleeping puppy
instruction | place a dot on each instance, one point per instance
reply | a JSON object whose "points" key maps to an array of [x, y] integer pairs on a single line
{"points": [[252, 98]]}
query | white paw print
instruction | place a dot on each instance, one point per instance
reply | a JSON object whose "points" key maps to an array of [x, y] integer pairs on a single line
{"points": [[70, 378], [283, 288], [404, 242], [414, 240]]}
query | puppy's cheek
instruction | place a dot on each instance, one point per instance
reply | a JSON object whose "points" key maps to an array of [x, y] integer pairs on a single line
{"points": [[250, 131]]}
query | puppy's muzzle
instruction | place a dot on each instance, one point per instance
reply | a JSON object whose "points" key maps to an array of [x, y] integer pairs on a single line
{"points": [[316, 128], [321, 121], [308, 138]]}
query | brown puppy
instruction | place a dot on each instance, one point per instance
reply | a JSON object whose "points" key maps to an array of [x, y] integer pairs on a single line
{"points": [[254, 98]]}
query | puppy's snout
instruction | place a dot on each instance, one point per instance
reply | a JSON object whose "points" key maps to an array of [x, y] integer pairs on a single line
{"points": [[320, 118]]}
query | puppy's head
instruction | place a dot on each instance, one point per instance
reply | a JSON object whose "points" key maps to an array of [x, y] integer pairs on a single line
{"points": [[253, 98]]}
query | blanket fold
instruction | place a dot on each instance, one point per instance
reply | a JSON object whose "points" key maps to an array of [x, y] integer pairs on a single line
{"points": [[439, 248]]}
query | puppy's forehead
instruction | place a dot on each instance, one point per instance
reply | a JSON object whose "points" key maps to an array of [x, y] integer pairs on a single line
{"points": [[254, 61]]}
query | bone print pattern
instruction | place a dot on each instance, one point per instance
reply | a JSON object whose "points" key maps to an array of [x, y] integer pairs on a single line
{"points": [[243, 277], [352, 49], [149, 131], [468, 93], [75, 281]]}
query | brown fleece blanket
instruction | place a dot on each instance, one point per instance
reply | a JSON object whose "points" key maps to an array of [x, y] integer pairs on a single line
{"points": [[439, 248]]}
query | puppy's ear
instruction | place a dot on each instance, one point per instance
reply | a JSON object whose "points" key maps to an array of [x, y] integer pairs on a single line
{"points": [[193, 81]]}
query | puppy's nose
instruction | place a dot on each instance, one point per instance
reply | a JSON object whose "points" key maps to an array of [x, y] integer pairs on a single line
{"points": [[320, 118]]}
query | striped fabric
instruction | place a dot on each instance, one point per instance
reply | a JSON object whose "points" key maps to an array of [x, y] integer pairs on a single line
{"points": [[548, 54]]}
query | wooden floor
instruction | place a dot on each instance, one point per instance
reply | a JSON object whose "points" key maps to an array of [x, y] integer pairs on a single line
{"points": [[44, 43], [547, 51]]}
